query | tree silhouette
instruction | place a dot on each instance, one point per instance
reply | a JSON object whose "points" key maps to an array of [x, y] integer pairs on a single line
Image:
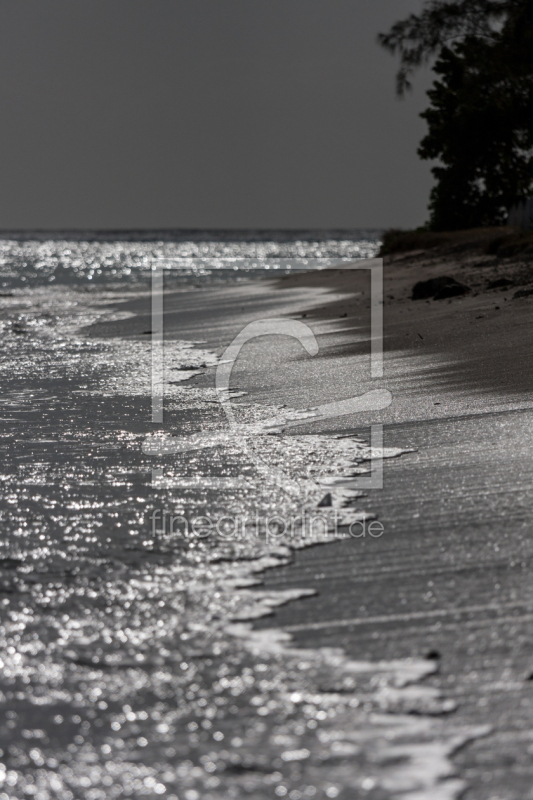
{"points": [[480, 118]]}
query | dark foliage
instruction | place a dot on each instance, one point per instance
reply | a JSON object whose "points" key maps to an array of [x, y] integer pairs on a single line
{"points": [[480, 121], [500, 242]]}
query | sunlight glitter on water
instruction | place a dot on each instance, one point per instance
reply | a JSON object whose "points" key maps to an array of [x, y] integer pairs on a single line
{"points": [[36, 263]]}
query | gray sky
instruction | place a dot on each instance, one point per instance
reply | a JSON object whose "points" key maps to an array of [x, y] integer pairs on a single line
{"points": [[206, 113]]}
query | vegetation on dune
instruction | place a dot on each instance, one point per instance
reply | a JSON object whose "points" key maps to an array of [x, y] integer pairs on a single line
{"points": [[480, 118], [503, 242]]}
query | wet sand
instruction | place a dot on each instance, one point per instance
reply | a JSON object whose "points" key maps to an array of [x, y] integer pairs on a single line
{"points": [[451, 576]]}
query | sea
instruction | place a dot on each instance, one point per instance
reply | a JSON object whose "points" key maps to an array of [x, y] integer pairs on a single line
{"points": [[129, 662], [84, 258]]}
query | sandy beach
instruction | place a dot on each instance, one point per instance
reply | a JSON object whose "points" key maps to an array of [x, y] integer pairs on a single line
{"points": [[143, 660]]}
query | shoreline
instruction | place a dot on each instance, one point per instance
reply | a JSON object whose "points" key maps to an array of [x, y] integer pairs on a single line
{"points": [[442, 593], [456, 555], [449, 579]]}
